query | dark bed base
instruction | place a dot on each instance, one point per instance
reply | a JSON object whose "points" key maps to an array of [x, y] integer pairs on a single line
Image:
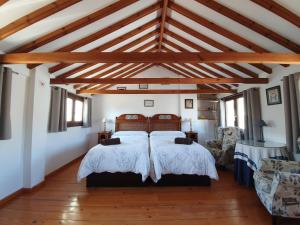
{"points": [[183, 180], [135, 180]]}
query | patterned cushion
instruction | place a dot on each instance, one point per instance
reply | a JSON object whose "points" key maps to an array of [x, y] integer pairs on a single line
{"points": [[231, 135], [278, 188]]}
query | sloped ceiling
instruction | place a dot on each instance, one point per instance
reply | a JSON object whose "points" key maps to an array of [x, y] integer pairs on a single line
{"points": [[135, 37]]}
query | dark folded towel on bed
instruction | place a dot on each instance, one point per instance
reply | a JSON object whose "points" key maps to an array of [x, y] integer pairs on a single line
{"points": [[111, 141], [183, 141]]}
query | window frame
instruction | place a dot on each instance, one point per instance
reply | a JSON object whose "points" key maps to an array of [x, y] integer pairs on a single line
{"points": [[74, 123], [235, 100]]}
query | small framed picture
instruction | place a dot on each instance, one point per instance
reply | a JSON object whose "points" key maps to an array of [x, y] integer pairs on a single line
{"points": [[143, 86], [273, 95], [121, 88], [188, 103], [148, 103]]}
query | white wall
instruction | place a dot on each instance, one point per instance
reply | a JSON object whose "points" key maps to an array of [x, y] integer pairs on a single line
{"points": [[63, 147], [11, 151], [111, 106], [32, 152]]}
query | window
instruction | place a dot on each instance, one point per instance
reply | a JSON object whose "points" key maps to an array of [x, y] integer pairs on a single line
{"points": [[74, 110], [234, 111]]}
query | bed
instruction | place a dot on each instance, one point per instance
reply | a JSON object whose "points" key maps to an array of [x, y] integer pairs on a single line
{"points": [[173, 164], [124, 165]]}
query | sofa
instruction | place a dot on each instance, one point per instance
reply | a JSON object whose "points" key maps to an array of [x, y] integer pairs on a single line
{"points": [[277, 184], [223, 147]]}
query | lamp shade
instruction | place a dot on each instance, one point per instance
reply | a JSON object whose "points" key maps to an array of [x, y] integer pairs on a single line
{"points": [[262, 123], [104, 120]]}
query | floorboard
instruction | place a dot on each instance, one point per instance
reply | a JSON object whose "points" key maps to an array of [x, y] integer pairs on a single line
{"points": [[63, 201]]}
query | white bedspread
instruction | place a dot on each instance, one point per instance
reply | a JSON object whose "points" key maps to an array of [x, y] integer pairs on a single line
{"points": [[132, 155], [170, 158]]}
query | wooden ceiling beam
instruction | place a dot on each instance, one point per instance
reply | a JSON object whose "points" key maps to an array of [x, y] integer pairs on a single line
{"points": [[186, 69], [149, 57], [126, 73], [112, 43], [162, 22], [121, 49], [35, 17], [105, 31], [210, 72], [216, 28], [114, 73], [78, 24], [117, 70], [159, 81], [216, 45], [279, 10], [250, 24], [2, 2], [164, 91], [215, 66]]}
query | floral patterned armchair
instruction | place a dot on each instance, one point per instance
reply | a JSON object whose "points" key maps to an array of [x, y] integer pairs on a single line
{"points": [[223, 147], [277, 184]]}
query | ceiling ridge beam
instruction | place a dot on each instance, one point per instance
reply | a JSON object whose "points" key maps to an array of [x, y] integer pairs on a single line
{"points": [[162, 22], [35, 16], [121, 49], [73, 26], [216, 28], [164, 91], [211, 42], [150, 57], [250, 24], [279, 10], [112, 43]]}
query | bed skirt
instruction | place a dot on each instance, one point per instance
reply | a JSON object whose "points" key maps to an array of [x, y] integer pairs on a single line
{"points": [[135, 180]]}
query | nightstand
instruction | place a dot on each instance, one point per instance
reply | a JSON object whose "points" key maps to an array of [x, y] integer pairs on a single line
{"points": [[103, 135], [192, 135]]}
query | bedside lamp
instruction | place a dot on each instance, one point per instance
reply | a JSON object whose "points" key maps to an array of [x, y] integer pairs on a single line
{"points": [[190, 120], [262, 124], [104, 123]]}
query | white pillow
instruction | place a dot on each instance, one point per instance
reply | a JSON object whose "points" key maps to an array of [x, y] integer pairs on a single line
{"points": [[130, 133], [167, 133]]}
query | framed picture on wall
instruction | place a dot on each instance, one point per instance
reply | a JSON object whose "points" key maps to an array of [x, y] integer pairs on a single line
{"points": [[188, 103], [121, 88], [273, 95], [143, 86], [148, 103]]}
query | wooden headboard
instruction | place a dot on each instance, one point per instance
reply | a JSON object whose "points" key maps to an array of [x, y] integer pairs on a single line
{"points": [[132, 122], [165, 122]]}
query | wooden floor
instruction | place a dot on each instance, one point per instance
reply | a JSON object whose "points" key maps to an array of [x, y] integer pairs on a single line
{"points": [[63, 201]]}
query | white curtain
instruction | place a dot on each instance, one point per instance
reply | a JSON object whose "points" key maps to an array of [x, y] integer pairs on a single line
{"points": [[87, 112]]}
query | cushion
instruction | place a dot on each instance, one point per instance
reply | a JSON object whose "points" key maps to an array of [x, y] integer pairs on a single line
{"points": [[111, 141], [183, 141]]}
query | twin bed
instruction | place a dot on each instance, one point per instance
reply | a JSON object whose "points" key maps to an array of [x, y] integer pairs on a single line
{"points": [[148, 155]]}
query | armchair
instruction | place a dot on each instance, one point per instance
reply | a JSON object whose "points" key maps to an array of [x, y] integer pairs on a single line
{"points": [[277, 184], [222, 148]]}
